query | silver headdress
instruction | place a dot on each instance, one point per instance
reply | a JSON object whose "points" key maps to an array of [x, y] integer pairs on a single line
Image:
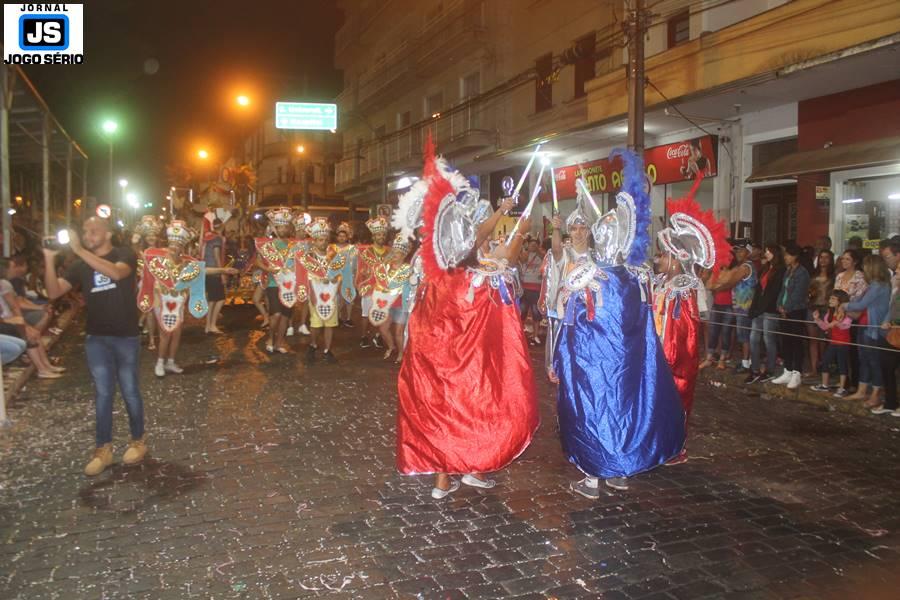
{"points": [[582, 215]]}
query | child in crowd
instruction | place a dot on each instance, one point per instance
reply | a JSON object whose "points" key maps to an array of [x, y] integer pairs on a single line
{"points": [[836, 325]]}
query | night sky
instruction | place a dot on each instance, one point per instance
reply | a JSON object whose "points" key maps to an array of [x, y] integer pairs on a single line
{"points": [[169, 72]]}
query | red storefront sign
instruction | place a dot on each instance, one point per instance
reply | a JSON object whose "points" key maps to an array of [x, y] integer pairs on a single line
{"points": [[681, 161]]}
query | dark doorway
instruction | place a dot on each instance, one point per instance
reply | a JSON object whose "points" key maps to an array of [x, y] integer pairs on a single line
{"points": [[775, 214]]}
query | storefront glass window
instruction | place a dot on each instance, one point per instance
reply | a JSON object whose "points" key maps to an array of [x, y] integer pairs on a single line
{"points": [[871, 209]]}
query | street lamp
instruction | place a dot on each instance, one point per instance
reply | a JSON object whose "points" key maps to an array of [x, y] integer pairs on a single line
{"points": [[301, 149], [242, 100], [132, 199], [202, 154], [109, 128]]}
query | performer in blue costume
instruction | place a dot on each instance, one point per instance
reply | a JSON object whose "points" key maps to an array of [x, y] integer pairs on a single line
{"points": [[619, 410]]}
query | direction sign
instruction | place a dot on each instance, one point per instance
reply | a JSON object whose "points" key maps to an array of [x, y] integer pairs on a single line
{"points": [[305, 115], [104, 211]]}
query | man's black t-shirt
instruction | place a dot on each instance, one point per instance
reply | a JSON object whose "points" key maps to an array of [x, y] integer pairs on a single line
{"points": [[111, 305]]}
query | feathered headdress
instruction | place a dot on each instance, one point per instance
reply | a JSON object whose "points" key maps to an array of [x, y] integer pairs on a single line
{"points": [[179, 232], [319, 228], [149, 225], [451, 213], [280, 217], [694, 236], [636, 184]]}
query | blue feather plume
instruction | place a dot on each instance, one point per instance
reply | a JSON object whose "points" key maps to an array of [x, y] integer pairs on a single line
{"points": [[634, 183]]}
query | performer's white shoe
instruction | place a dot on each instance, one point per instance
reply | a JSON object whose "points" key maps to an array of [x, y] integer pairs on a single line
{"points": [[439, 494], [473, 481], [303, 329]]}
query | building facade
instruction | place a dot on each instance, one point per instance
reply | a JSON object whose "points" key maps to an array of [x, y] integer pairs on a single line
{"points": [[733, 90]]}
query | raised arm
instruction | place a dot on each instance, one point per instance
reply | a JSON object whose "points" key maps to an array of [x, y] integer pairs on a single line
{"points": [[486, 228], [115, 271], [56, 287]]}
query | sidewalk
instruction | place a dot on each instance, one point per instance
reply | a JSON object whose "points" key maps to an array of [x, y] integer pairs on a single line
{"points": [[728, 379], [16, 374]]}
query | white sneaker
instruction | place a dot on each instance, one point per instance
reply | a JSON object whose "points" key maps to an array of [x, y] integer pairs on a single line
{"points": [[795, 381], [159, 370], [473, 481], [289, 332], [171, 367], [439, 494], [783, 378], [303, 329]]}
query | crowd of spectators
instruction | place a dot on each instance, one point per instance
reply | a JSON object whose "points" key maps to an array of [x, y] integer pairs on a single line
{"points": [[814, 315]]}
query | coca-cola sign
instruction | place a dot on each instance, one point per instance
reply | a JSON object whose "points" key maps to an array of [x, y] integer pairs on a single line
{"points": [[671, 163]]}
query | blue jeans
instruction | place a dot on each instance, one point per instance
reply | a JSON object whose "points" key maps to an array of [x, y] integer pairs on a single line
{"points": [[764, 328], [870, 363], [721, 319], [11, 348], [112, 359]]}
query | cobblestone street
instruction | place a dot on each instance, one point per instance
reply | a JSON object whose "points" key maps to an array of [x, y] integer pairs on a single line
{"points": [[268, 479]]}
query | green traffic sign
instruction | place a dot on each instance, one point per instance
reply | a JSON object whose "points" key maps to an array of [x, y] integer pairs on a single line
{"points": [[305, 115]]}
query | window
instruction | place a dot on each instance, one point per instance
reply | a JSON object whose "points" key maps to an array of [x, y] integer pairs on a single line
{"points": [[679, 29], [767, 152], [470, 86], [543, 86], [585, 62], [403, 119], [434, 104]]}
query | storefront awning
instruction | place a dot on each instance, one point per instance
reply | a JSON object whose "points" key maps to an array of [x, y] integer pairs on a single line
{"points": [[835, 158]]}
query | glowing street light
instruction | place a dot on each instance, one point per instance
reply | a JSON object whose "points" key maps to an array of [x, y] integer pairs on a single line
{"points": [[109, 128], [132, 199], [300, 149], [202, 154], [242, 100], [123, 183]]}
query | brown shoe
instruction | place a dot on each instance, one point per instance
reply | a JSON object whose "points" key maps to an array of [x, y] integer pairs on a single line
{"points": [[135, 453], [103, 457]]}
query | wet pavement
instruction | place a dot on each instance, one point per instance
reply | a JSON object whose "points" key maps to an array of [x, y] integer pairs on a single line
{"points": [[268, 479]]}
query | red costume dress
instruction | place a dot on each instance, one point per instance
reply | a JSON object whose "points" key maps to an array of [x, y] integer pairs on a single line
{"points": [[694, 240], [466, 388]]}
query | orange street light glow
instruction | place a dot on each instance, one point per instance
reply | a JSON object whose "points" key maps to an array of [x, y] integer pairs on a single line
{"points": [[243, 100], [301, 149], [202, 154]]}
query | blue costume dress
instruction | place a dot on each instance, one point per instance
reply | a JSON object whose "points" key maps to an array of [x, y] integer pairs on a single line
{"points": [[619, 410]]}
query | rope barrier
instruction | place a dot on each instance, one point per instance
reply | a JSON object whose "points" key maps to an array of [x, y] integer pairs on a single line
{"points": [[805, 337], [772, 316]]}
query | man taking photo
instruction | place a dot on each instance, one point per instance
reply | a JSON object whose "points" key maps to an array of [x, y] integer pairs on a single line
{"points": [[106, 277]]}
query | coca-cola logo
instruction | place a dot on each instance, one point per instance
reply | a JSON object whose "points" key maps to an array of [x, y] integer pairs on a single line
{"points": [[679, 151]]}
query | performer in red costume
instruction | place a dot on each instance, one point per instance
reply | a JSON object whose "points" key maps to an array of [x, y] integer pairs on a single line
{"points": [[467, 397], [693, 241]]}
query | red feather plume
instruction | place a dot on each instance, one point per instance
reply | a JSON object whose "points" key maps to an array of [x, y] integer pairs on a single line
{"points": [[438, 188], [717, 229]]}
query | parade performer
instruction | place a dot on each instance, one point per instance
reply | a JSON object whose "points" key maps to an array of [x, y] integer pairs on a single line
{"points": [[619, 411], [371, 256], [171, 280], [147, 234], [324, 275], [693, 241], [302, 244], [390, 297], [275, 256], [343, 244], [467, 401]]}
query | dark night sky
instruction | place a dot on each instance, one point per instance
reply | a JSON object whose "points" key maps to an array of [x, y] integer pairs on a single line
{"points": [[207, 52]]}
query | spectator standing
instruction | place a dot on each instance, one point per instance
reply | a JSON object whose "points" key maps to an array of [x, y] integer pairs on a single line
{"points": [[851, 280], [764, 315], [721, 320], [821, 284], [836, 325], [741, 279], [531, 262], [792, 307], [106, 276], [890, 354], [214, 257], [874, 306]]}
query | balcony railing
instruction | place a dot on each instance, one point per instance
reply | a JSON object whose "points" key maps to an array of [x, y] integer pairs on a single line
{"points": [[466, 129]]}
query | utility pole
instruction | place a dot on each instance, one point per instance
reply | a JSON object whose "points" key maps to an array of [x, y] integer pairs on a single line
{"points": [[636, 31]]}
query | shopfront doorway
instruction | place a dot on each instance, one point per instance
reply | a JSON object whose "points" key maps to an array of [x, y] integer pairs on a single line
{"points": [[775, 214]]}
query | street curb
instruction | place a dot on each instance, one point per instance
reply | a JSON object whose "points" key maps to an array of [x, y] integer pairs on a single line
{"points": [[728, 379], [21, 376]]}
